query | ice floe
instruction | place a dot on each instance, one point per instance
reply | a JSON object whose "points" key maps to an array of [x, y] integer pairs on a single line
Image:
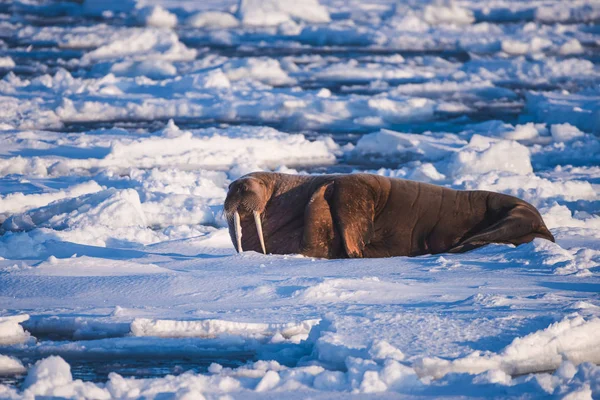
{"points": [[122, 124]]}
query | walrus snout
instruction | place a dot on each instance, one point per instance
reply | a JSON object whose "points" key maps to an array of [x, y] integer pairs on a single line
{"points": [[246, 196]]}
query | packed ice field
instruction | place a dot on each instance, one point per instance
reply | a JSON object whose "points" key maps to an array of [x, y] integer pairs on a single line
{"points": [[122, 123]]}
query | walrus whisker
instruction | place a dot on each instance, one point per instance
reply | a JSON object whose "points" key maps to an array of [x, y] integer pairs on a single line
{"points": [[238, 231], [259, 231]]}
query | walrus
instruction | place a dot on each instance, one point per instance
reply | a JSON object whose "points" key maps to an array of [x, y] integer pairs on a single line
{"points": [[365, 215]]}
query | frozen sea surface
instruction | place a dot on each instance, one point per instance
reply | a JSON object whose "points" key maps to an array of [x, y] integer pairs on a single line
{"points": [[123, 122]]}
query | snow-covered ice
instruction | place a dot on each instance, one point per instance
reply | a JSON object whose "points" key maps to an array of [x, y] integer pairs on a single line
{"points": [[122, 123]]}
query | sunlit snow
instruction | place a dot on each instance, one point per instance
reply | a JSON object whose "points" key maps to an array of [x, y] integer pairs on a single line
{"points": [[122, 123]]}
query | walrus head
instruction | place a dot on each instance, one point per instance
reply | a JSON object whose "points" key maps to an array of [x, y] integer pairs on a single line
{"points": [[247, 195]]}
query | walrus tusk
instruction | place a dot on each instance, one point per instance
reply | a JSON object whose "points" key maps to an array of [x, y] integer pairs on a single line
{"points": [[259, 231], [238, 231]]}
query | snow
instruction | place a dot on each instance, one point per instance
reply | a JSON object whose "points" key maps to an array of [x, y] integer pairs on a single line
{"points": [[90, 266], [154, 69], [10, 330], [273, 12], [452, 14], [572, 339], [565, 132], [216, 328], [573, 46], [578, 109], [158, 17], [15, 203], [483, 155], [212, 20], [268, 382], [390, 143], [122, 124], [516, 47], [110, 207], [46, 373], [10, 366], [382, 350], [138, 43], [268, 71], [7, 63]]}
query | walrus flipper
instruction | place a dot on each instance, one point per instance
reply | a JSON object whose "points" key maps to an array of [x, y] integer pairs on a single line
{"points": [[520, 225], [320, 238], [353, 210]]}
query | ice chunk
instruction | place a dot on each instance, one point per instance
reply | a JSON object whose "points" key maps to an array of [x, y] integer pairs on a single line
{"points": [[110, 208], [10, 366], [213, 328], [275, 12], [565, 132], [51, 378], [143, 44], [266, 70], [51, 371], [574, 338], [11, 332], [573, 46], [579, 109], [398, 144], [153, 69], [517, 47], [484, 154], [157, 16], [18, 202], [382, 350], [567, 12], [7, 63], [451, 14], [268, 382], [212, 20], [531, 187]]}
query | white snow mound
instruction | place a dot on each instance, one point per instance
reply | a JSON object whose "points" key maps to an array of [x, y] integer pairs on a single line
{"points": [[451, 14], [111, 208], [484, 154], [10, 366], [275, 12], [574, 339], [212, 20], [390, 143], [157, 16], [11, 332]]}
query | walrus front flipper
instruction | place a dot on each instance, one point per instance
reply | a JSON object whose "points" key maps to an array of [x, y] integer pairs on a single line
{"points": [[520, 225], [320, 238], [353, 209]]}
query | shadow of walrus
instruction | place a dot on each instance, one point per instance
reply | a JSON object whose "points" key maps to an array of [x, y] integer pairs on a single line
{"points": [[364, 215]]}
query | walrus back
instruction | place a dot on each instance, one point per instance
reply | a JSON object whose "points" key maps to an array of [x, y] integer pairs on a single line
{"points": [[430, 219]]}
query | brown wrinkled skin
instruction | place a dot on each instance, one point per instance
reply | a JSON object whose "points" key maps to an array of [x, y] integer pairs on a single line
{"points": [[363, 215]]}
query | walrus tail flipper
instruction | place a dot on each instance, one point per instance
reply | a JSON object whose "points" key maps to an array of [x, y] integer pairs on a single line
{"points": [[320, 238], [353, 209], [520, 225], [545, 233]]}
